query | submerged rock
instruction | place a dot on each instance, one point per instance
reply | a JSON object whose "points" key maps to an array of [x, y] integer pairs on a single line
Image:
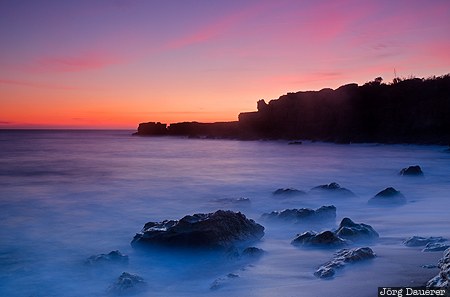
{"points": [[333, 188], [422, 241], [322, 239], [436, 246], [219, 229], [442, 280], [303, 214], [412, 171], [222, 281], [112, 257], [288, 192], [388, 196], [127, 283], [354, 232], [252, 252], [343, 257]]}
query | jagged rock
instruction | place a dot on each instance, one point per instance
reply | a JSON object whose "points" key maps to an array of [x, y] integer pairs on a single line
{"points": [[219, 229], [343, 257], [322, 239], [220, 282], [288, 192], [335, 189], [127, 283], [442, 280], [388, 196], [303, 214], [436, 246], [412, 171], [422, 241], [354, 232], [252, 252], [112, 257]]}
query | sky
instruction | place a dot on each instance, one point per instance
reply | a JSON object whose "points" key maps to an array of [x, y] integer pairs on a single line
{"points": [[115, 63]]}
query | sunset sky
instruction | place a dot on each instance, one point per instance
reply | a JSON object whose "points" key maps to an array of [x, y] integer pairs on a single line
{"points": [[115, 63]]}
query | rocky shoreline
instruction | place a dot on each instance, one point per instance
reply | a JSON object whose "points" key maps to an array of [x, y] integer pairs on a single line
{"points": [[407, 111]]}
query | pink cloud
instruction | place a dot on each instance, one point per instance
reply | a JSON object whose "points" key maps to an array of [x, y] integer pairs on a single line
{"points": [[221, 26], [35, 85], [80, 62]]}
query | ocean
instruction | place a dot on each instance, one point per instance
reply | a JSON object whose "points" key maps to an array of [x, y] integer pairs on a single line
{"points": [[66, 195]]}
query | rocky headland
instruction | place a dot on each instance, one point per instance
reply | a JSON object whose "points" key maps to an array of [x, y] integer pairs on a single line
{"points": [[411, 110]]}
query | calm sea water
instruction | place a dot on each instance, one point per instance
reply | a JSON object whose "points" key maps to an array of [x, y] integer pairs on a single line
{"points": [[67, 195]]}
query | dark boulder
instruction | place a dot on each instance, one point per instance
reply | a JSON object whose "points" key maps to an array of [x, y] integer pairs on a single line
{"points": [[112, 257], [422, 241], [354, 232], [343, 257], [288, 192], [128, 283], [151, 129], [219, 229], [388, 196], [322, 239], [333, 188], [412, 171], [442, 280], [304, 214]]}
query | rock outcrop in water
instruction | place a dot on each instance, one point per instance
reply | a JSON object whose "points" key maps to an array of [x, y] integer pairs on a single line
{"points": [[303, 215], [388, 196], [333, 188], [111, 257], [218, 229], [416, 241], [352, 231], [323, 239], [442, 280], [342, 258], [127, 283], [288, 192], [412, 171], [406, 111]]}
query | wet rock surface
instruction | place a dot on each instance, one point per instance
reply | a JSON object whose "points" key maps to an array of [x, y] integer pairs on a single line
{"points": [[111, 257], [412, 171], [423, 241], [352, 231], [342, 258], [301, 215], [219, 229], [436, 246], [333, 188], [322, 239], [127, 283], [442, 280], [388, 196]]}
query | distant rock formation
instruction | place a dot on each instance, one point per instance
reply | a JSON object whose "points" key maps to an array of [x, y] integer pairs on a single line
{"points": [[388, 196], [412, 171], [303, 215], [407, 111], [333, 188], [111, 257], [127, 284]]}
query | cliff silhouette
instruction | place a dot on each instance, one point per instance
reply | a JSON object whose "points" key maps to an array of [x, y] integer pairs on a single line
{"points": [[410, 110]]}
